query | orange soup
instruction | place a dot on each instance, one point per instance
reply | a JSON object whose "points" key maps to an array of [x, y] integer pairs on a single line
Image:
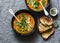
{"points": [[35, 4], [25, 25]]}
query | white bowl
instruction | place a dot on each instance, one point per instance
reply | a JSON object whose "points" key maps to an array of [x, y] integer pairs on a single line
{"points": [[53, 11]]}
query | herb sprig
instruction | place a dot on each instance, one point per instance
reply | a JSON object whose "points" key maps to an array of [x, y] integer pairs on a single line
{"points": [[23, 23]]}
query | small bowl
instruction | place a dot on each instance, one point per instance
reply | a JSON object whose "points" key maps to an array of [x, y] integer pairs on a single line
{"points": [[53, 11], [37, 11], [24, 11]]}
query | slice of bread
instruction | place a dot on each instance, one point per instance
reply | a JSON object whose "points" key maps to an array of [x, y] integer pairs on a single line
{"points": [[46, 21], [47, 34], [43, 28]]}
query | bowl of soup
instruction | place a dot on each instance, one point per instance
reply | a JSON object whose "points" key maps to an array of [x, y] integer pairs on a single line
{"points": [[27, 24], [35, 5]]}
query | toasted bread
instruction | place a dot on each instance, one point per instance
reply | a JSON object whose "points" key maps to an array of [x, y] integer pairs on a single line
{"points": [[47, 34], [42, 28], [46, 20]]}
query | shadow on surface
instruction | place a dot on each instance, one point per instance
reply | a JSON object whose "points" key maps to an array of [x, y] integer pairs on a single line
{"points": [[24, 39]]}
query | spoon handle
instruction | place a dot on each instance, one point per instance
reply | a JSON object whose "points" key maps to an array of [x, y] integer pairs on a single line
{"points": [[11, 11], [46, 13]]}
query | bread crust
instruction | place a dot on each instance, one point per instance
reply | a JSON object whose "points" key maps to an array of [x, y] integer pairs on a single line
{"points": [[46, 21], [47, 34], [43, 28]]}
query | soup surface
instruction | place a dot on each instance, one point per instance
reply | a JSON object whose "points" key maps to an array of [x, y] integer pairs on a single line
{"points": [[35, 4], [26, 24]]}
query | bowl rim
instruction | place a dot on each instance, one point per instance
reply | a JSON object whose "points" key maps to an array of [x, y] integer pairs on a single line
{"points": [[26, 11], [37, 11]]}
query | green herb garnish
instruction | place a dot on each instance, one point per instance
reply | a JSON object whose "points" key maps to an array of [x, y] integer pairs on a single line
{"points": [[30, 2], [23, 23], [55, 24], [19, 24], [36, 4]]}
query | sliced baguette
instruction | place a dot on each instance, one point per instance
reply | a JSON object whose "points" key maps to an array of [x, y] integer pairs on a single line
{"points": [[47, 34], [46, 21], [42, 28]]}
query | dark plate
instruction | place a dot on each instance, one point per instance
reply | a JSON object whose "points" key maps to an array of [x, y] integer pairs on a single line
{"points": [[25, 11], [37, 11]]}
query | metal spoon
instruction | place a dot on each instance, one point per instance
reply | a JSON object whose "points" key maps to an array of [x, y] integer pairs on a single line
{"points": [[45, 11], [11, 11]]}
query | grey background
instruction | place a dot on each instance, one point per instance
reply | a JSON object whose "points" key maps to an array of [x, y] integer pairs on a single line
{"points": [[7, 35]]}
